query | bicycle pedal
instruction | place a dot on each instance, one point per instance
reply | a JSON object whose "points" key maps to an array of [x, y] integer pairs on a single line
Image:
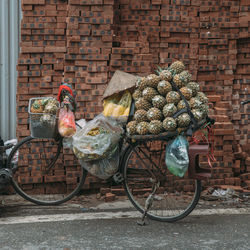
{"points": [[118, 178]]}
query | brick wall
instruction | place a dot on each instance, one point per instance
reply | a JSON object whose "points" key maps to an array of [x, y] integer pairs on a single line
{"points": [[84, 41]]}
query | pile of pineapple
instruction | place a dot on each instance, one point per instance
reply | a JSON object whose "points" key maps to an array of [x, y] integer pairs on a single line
{"points": [[156, 102]]}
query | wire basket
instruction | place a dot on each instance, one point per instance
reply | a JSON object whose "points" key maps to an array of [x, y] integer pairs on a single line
{"points": [[43, 125]]}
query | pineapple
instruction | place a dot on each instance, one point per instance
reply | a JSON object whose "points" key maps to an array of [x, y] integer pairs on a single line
{"points": [[202, 97], [141, 103], [37, 106], [138, 82], [194, 86], [159, 101], [166, 75], [183, 120], [142, 128], [154, 114], [182, 79], [140, 116], [173, 97], [177, 67], [169, 124], [169, 110], [164, 87], [178, 82], [142, 83], [155, 127], [153, 80], [182, 105], [198, 115], [195, 103], [131, 127], [148, 93], [204, 110], [185, 77], [186, 92], [51, 107], [137, 94]]}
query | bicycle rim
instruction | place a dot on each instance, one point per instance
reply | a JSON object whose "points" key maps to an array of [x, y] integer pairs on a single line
{"points": [[143, 166], [45, 174]]}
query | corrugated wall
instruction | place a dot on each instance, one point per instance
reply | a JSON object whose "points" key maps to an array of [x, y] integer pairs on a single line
{"points": [[10, 14]]}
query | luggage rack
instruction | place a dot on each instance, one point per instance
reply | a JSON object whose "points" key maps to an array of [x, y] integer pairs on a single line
{"points": [[165, 135], [194, 169]]}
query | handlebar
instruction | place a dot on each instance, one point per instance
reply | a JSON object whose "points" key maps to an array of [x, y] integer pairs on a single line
{"points": [[4, 148], [245, 102]]}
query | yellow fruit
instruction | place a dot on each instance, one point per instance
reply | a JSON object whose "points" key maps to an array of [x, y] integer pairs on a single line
{"points": [[118, 111], [126, 112], [126, 99], [109, 109]]}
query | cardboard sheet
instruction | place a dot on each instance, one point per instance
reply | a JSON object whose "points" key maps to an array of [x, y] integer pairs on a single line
{"points": [[119, 82]]}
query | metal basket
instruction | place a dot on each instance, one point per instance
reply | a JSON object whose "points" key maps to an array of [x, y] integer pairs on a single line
{"points": [[43, 125]]}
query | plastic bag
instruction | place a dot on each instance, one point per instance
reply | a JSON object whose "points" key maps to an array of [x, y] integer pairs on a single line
{"points": [[66, 123], [68, 141], [176, 157], [98, 139], [103, 168], [8, 151], [118, 106]]}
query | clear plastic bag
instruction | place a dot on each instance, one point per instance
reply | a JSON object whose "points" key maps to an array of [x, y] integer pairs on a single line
{"points": [[176, 157], [66, 123], [117, 106], [98, 139], [103, 168], [68, 141]]}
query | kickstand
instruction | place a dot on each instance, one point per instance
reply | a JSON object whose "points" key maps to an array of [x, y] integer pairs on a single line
{"points": [[148, 204]]}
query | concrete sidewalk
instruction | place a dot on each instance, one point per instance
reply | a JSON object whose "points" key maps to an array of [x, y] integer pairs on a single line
{"points": [[14, 205]]}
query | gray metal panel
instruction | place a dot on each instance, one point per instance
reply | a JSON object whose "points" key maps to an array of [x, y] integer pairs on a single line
{"points": [[10, 13]]}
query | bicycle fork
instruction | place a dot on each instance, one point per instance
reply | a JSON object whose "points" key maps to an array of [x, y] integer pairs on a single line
{"points": [[149, 202]]}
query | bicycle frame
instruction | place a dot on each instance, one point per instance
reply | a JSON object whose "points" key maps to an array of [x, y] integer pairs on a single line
{"points": [[5, 172]]}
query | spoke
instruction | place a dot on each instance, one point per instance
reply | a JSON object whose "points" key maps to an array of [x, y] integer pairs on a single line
{"points": [[167, 202]]}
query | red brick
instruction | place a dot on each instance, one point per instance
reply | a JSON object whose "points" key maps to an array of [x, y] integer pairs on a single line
{"points": [[33, 2], [218, 60]]}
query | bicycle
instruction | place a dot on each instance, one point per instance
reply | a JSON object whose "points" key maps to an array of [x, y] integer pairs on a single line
{"points": [[245, 102], [5, 172], [148, 184]]}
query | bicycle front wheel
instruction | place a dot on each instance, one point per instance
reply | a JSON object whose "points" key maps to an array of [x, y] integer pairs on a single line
{"points": [[147, 180], [45, 173]]}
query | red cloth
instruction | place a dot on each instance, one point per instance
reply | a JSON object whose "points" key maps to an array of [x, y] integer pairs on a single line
{"points": [[60, 90]]}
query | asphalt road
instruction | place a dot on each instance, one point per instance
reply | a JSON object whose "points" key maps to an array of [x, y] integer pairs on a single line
{"points": [[194, 232], [89, 224]]}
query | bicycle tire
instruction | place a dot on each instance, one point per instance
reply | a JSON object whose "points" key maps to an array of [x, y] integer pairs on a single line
{"points": [[30, 191], [138, 186]]}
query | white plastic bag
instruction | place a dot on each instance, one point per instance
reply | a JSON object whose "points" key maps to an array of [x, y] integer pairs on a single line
{"points": [[68, 141], [103, 168], [14, 142], [98, 139]]}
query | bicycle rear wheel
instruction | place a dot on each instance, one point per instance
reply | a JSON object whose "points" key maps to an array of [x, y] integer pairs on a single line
{"points": [[144, 169], [45, 174]]}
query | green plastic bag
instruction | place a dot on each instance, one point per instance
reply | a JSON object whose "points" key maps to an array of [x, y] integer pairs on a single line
{"points": [[176, 157]]}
